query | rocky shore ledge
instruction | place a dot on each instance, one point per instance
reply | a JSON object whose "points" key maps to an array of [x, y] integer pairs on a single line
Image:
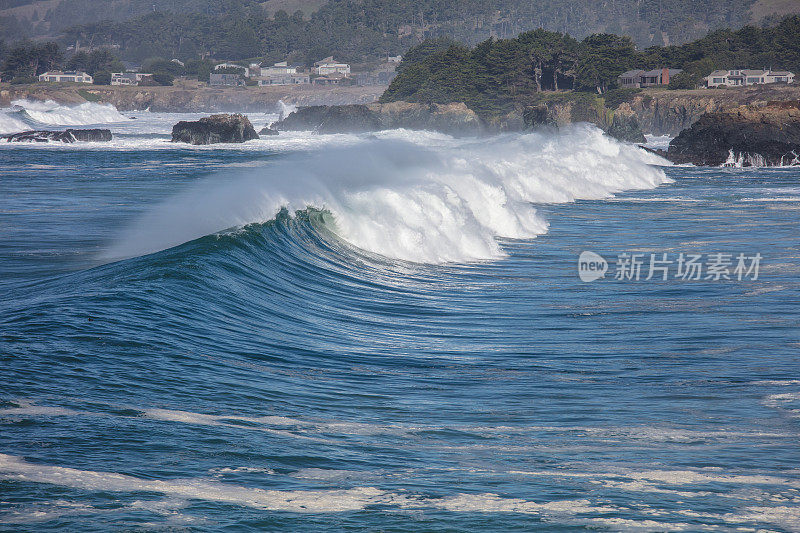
{"points": [[66, 136], [767, 135], [453, 119]]}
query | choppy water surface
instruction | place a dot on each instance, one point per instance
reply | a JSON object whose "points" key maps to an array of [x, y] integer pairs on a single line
{"points": [[405, 346]]}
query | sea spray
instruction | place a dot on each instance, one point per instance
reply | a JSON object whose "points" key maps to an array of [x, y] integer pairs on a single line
{"points": [[408, 201], [284, 109], [52, 114], [10, 124]]}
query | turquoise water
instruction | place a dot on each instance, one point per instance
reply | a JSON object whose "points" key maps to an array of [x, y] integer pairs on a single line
{"points": [[277, 376]]}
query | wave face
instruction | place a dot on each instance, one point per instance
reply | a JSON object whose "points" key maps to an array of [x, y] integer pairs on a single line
{"points": [[50, 113], [278, 378], [407, 201]]}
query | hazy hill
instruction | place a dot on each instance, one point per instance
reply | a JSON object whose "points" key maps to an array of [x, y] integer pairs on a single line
{"points": [[359, 30]]}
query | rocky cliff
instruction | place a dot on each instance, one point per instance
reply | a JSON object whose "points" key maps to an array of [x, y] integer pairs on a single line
{"points": [[755, 135], [665, 112]]}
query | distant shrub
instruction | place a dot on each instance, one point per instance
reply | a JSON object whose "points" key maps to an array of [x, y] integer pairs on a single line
{"points": [[102, 77], [684, 80], [163, 78], [24, 80], [615, 97]]}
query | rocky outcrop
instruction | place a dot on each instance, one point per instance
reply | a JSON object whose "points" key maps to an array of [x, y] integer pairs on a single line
{"points": [[268, 132], [331, 119], [571, 108], [666, 112], [215, 129], [66, 136], [766, 135], [625, 126], [454, 119]]}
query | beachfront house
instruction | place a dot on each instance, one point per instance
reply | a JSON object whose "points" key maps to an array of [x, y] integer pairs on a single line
{"points": [[225, 80], [329, 67], [128, 78], [635, 79], [745, 77], [56, 76], [282, 73]]}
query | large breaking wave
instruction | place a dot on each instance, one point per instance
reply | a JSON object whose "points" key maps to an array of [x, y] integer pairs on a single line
{"points": [[26, 113], [405, 200]]}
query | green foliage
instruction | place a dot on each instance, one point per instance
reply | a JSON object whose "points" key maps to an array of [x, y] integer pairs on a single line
{"points": [[27, 60], [90, 96], [102, 77], [199, 68], [601, 58], [497, 76], [163, 78], [24, 80], [684, 80], [615, 97], [159, 64], [95, 61]]}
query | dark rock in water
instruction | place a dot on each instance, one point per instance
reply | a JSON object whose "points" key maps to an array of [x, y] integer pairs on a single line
{"points": [[66, 136], [454, 119], [766, 135], [215, 129], [268, 131]]}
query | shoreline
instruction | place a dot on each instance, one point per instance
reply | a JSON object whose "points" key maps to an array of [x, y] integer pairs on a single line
{"points": [[190, 97]]}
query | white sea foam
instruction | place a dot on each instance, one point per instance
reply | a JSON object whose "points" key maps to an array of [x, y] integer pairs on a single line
{"points": [[52, 114], [447, 202], [11, 124], [15, 468]]}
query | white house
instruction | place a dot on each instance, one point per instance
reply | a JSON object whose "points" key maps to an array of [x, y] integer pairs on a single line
{"points": [[69, 76], [280, 68], [282, 73], [284, 79], [744, 77], [128, 78], [329, 66]]}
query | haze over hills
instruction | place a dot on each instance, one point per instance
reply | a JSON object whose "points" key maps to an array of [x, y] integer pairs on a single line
{"points": [[361, 29]]}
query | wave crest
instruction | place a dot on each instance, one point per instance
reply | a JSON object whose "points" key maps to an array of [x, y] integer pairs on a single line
{"points": [[407, 201], [52, 114]]}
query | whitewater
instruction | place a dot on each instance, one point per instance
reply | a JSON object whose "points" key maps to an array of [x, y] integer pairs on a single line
{"points": [[388, 332], [402, 196]]}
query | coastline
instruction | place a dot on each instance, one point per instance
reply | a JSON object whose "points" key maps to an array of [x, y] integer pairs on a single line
{"points": [[190, 97]]}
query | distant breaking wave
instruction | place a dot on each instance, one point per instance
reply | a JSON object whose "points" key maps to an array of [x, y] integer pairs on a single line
{"points": [[49, 113], [404, 200]]}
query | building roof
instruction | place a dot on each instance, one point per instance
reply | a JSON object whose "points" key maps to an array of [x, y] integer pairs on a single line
{"points": [[631, 73]]}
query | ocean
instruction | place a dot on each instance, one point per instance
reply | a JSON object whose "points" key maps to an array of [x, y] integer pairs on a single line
{"points": [[398, 331]]}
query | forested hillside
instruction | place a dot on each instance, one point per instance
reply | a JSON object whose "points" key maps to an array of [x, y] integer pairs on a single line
{"points": [[498, 76], [356, 30]]}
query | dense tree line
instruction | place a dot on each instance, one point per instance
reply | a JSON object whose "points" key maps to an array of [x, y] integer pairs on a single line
{"points": [[361, 30], [497, 76]]}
